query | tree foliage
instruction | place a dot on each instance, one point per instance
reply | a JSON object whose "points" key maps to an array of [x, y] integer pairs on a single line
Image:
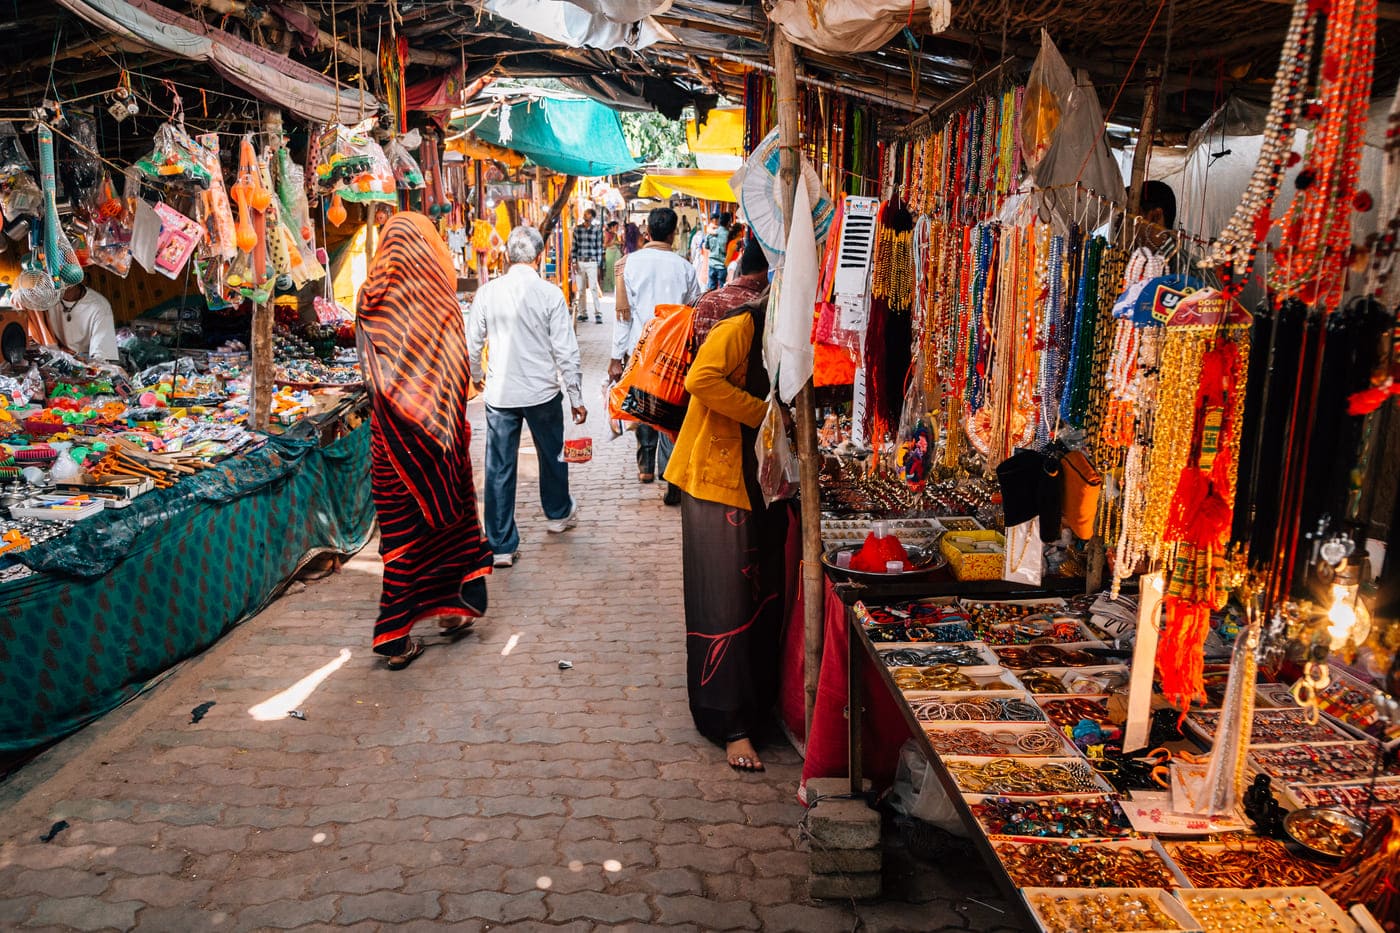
{"points": [[656, 140]]}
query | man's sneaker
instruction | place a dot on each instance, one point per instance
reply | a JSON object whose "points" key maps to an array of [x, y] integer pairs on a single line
{"points": [[505, 560], [559, 526], [597, 319], [583, 317]]}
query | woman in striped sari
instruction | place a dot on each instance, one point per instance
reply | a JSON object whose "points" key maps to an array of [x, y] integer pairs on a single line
{"points": [[414, 355]]}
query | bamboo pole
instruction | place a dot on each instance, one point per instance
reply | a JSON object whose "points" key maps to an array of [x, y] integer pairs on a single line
{"points": [[813, 592], [264, 366], [1144, 143]]}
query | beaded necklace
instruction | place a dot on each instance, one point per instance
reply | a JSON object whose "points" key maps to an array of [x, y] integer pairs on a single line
{"points": [[1052, 331], [1081, 355], [1234, 250], [1315, 253]]}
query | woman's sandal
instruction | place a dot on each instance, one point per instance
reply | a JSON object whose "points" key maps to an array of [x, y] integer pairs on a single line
{"points": [[415, 648], [647, 477], [459, 627]]}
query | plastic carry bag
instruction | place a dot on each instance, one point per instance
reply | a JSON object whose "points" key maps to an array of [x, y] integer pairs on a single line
{"points": [[578, 444], [777, 462], [918, 793], [652, 387]]}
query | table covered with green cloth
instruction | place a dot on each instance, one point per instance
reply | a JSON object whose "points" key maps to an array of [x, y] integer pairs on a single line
{"points": [[130, 592]]}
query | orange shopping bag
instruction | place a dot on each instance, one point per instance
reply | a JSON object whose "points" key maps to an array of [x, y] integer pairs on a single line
{"points": [[652, 387]]}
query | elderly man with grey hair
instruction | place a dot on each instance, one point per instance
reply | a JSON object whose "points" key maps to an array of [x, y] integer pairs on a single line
{"points": [[532, 362]]}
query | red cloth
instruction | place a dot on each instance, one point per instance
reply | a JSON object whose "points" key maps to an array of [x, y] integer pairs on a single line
{"points": [[828, 746]]}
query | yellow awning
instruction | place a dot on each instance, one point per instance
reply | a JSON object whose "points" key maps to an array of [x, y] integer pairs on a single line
{"points": [[722, 134], [478, 149], [706, 184]]}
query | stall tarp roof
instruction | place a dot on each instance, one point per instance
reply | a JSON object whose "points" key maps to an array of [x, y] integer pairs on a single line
{"points": [[267, 75], [721, 134], [572, 136], [706, 184]]}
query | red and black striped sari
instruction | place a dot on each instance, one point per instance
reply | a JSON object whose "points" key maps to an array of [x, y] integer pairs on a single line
{"points": [[414, 355]]}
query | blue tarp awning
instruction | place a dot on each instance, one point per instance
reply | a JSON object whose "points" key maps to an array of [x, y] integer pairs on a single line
{"points": [[572, 136]]}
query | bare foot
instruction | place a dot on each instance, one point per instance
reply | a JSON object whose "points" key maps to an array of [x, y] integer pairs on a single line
{"points": [[743, 756]]}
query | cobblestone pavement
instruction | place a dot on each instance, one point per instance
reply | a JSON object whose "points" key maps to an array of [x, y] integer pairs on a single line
{"points": [[482, 788]]}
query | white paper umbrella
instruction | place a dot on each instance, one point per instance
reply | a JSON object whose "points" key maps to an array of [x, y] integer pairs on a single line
{"points": [[760, 198]]}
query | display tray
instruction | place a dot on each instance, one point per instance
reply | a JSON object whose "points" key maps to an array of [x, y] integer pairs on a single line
{"points": [[990, 680], [1043, 863], [1355, 797], [1006, 735], [1320, 763], [1015, 706], [1272, 727], [58, 508], [844, 531], [1214, 868], [1097, 786], [988, 809], [931, 652], [1082, 910], [1266, 910], [922, 560], [1072, 678], [1347, 702], [1045, 656]]}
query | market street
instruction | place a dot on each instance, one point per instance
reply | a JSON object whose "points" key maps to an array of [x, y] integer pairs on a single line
{"points": [[482, 786]]}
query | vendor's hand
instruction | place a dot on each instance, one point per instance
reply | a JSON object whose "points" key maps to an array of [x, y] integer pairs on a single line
{"points": [[580, 414], [614, 370]]}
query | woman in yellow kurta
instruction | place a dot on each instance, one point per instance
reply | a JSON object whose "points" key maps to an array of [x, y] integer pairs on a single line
{"points": [[732, 544]]}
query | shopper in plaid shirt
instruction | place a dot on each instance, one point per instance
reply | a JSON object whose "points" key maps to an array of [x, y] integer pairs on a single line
{"points": [[587, 256]]}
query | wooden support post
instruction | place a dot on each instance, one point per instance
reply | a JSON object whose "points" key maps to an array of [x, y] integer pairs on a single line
{"points": [[264, 366], [561, 200], [1144, 142], [813, 591]]}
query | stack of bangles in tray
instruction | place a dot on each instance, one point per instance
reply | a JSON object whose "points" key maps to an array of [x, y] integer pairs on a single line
{"points": [[943, 632], [1054, 818], [944, 677], [1321, 764], [1072, 710], [1055, 865], [986, 709], [1276, 727], [1034, 630], [1262, 863], [1103, 912], [985, 615], [933, 655], [1013, 776], [1024, 658], [995, 742], [1037, 681]]}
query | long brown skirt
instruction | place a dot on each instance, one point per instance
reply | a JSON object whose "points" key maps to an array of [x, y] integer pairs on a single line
{"points": [[734, 589]]}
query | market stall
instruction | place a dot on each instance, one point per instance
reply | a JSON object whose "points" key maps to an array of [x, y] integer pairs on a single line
{"points": [[1104, 550]]}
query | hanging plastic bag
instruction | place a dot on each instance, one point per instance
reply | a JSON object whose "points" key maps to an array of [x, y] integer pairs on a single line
{"points": [[13, 160], [109, 229], [777, 462], [175, 160], [652, 387], [80, 169], [918, 434], [406, 171], [1047, 90], [578, 444], [1024, 553]]}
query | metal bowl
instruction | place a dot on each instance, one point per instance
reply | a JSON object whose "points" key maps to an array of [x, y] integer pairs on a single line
{"points": [[924, 560], [1324, 831]]}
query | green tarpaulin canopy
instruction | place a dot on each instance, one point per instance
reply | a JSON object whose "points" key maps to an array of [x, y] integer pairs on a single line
{"points": [[573, 136]]}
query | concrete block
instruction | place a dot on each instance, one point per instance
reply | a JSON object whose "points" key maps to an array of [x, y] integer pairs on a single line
{"points": [[817, 788], [846, 861], [843, 824], [860, 886]]}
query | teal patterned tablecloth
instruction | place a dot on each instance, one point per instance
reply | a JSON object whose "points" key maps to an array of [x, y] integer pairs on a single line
{"points": [[130, 592]]}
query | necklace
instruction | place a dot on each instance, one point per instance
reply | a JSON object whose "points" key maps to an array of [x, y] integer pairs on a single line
{"points": [[1234, 250]]}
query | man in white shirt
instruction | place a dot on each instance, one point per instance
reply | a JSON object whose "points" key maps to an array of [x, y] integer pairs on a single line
{"points": [[653, 275], [533, 355], [82, 321]]}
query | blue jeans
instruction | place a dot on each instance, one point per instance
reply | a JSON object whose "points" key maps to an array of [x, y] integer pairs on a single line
{"points": [[653, 450], [546, 422], [717, 277]]}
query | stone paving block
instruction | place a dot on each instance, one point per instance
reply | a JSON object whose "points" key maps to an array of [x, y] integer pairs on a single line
{"points": [[494, 907], [843, 824], [856, 886], [159, 891], [597, 908], [805, 918], [355, 881], [389, 907], [706, 912], [84, 913], [287, 914]]}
